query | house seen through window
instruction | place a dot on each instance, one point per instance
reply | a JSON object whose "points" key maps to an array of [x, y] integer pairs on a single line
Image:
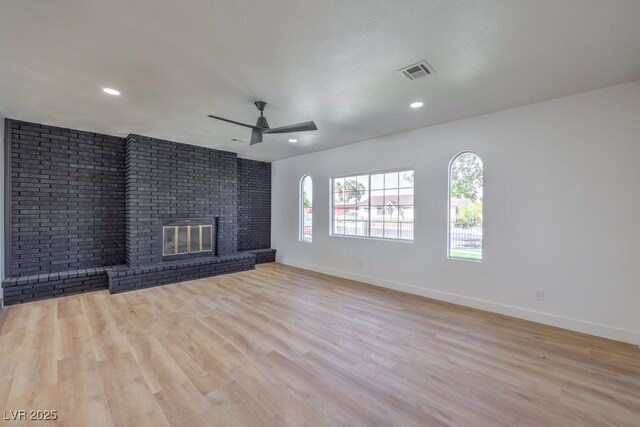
{"points": [[373, 205]]}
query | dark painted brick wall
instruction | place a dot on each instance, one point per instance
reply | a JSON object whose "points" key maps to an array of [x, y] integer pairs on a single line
{"points": [[67, 199], [71, 192], [167, 180], [254, 205]]}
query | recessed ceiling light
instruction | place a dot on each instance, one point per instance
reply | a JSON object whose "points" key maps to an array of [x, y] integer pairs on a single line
{"points": [[238, 140], [416, 104], [293, 140], [110, 91]]}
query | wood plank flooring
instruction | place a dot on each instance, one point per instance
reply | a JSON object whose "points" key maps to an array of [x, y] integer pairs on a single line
{"points": [[283, 346]]}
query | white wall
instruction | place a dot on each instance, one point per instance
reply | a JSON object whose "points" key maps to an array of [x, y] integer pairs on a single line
{"points": [[561, 209]]}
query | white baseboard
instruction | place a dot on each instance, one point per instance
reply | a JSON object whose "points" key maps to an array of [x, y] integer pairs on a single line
{"points": [[583, 326]]}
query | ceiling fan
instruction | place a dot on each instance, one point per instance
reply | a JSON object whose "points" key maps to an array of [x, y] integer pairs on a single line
{"points": [[262, 126]]}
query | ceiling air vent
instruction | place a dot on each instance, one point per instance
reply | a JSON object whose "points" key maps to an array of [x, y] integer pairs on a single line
{"points": [[415, 71]]}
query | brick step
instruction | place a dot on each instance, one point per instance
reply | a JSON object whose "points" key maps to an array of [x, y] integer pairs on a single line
{"points": [[35, 287], [124, 278], [262, 255]]}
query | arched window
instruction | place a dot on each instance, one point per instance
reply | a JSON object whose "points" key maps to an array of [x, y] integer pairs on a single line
{"points": [[306, 208], [465, 206]]}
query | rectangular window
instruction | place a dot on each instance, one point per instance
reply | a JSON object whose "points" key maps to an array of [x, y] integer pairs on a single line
{"points": [[377, 205]]}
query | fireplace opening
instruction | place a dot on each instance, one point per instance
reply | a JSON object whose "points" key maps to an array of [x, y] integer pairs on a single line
{"points": [[181, 238]]}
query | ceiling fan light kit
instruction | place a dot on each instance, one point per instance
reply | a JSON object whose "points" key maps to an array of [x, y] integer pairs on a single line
{"points": [[262, 126]]}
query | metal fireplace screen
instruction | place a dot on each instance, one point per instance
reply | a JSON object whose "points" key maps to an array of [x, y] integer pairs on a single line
{"points": [[186, 239]]}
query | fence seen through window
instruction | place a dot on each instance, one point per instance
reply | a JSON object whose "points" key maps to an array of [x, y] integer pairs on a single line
{"points": [[373, 205], [466, 207]]}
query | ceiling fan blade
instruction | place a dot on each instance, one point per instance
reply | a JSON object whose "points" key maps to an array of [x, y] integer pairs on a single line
{"points": [[256, 136], [232, 121], [298, 127]]}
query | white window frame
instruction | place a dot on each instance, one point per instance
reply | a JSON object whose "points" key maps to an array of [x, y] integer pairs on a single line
{"points": [[301, 211], [453, 159], [369, 174]]}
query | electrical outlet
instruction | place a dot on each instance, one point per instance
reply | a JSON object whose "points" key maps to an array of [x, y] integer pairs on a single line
{"points": [[540, 294]]}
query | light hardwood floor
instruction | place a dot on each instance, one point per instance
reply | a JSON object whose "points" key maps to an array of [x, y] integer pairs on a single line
{"points": [[283, 346]]}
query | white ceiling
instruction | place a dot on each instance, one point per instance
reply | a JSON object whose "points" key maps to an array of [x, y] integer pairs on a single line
{"points": [[333, 62]]}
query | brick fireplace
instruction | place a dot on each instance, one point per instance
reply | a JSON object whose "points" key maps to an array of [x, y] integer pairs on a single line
{"points": [[88, 211]]}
